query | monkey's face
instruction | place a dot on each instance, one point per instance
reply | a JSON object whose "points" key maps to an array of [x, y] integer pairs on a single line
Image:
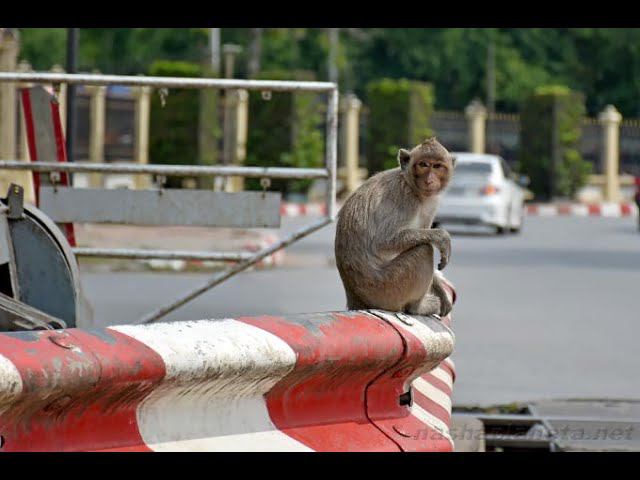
{"points": [[427, 168], [431, 175]]}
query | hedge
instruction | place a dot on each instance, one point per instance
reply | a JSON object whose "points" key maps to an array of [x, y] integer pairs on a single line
{"points": [[175, 136], [537, 136], [285, 131], [399, 117]]}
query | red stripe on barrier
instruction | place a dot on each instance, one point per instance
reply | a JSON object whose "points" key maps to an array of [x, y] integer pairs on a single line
{"points": [[321, 403], [101, 378], [625, 209], [436, 382], [61, 154], [594, 210], [532, 209], [432, 407], [31, 138], [564, 210]]}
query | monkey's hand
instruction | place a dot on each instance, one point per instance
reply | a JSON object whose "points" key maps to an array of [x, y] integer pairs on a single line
{"points": [[441, 239]]}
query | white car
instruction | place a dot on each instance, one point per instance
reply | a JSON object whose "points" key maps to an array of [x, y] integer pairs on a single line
{"points": [[484, 191]]}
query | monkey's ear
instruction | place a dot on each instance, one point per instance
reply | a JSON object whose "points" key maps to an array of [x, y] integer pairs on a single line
{"points": [[403, 158]]}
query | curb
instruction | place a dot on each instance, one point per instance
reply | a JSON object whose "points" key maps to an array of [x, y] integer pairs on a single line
{"points": [[266, 239], [614, 210]]}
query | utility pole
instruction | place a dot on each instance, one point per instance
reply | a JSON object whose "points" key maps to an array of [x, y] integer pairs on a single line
{"points": [[214, 46], [491, 92], [208, 111], [255, 52], [73, 35], [334, 40]]}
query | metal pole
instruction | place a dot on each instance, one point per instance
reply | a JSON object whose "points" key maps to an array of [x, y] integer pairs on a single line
{"points": [[72, 66], [332, 152]]}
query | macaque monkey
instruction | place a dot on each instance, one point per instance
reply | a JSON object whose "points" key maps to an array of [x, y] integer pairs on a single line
{"points": [[384, 242]]}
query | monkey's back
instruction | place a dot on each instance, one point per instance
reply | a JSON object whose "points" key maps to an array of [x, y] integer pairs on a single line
{"points": [[374, 208]]}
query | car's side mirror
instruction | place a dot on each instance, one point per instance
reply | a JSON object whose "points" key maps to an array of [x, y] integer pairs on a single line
{"points": [[524, 180]]}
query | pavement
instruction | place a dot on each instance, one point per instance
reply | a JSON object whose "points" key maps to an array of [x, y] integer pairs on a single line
{"points": [[550, 313]]}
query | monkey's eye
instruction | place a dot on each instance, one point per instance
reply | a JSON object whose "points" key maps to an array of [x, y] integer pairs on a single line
{"points": [[437, 166], [423, 164]]}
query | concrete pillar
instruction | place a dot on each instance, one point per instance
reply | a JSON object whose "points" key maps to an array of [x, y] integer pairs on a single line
{"points": [[232, 101], [9, 48], [476, 115], [142, 97], [351, 138], [610, 120], [237, 121], [97, 117]]}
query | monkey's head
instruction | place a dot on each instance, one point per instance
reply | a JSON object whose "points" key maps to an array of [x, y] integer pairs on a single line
{"points": [[428, 167]]}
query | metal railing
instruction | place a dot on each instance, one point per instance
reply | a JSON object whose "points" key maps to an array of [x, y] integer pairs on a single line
{"points": [[244, 259]]}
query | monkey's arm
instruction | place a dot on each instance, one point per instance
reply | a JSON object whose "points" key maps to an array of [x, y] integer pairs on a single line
{"points": [[412, 237]]}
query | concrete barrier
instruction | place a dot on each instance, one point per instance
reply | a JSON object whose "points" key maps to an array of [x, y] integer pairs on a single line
{"points": [[341, 381]]}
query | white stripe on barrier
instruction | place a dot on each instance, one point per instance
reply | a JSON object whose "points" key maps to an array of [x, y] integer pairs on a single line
{"points": [[433, 393], [431, 420], [443, 375], [212, 397], [610, 210], [10, 382], [547, 210], [580, 210], [438, 341]]}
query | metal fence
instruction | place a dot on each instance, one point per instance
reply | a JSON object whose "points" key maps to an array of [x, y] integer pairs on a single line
{"points": [[328, 172]]}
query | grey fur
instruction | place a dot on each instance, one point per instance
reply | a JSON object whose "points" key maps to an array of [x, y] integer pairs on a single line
{"points": [[384, 240]]}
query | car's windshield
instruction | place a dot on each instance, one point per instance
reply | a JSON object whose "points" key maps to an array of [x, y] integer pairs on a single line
{"points": [[473, 168]]}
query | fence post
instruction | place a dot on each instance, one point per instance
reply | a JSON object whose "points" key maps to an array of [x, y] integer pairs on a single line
{"points": [[97, 109], [237, 102], [23, 178], [476, 115], [142, 96], [352, 106], [9, 49], [610, 120]]}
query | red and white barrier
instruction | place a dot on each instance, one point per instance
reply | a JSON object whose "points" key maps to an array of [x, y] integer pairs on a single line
{"points": [[582, 210], [320, 382], [301, 209]]}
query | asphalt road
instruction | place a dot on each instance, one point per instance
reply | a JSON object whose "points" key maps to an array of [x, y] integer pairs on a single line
{"points": [[551, 313]]}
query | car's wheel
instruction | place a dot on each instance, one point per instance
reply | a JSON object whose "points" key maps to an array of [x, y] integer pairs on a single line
{"points": [[500, 230], [517, 228]]}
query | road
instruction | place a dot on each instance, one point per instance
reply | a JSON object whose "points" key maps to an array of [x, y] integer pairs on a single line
{"points": [[550, 313]]}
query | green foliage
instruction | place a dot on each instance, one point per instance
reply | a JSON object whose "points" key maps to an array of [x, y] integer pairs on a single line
{"points": [[537, 141], [173, 129], [285, 131], [603, 63], [399, 113]]}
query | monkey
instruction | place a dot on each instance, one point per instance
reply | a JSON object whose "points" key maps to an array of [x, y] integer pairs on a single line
{"points": [[384, 243]]}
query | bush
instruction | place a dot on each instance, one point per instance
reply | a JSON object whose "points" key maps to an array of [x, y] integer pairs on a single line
{"points": [[537, 136], [285, 131], [173, 129], [399, 116]]}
